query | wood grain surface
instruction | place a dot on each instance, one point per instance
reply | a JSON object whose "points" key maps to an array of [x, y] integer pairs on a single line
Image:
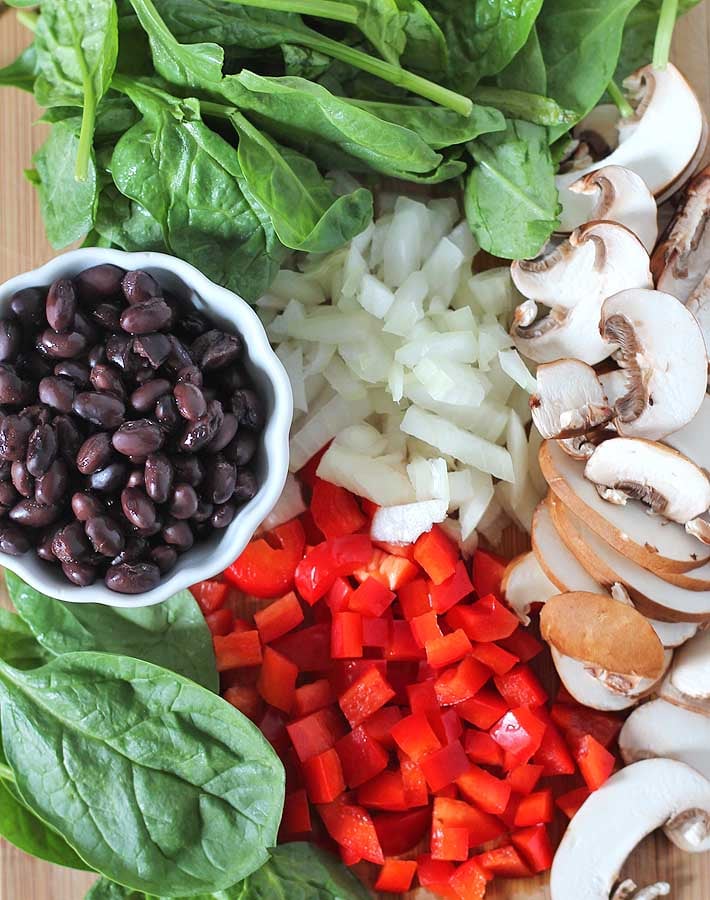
{"points": [[23, 246]]}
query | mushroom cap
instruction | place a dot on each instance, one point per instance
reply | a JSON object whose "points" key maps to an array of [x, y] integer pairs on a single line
{"points": [[524, 584], [662, 352], [569, 399], [595, 629], [672, 485], [650, 541], [662, 729], [690, 674], [613, 820], [554, 558], [586, 688], [692, 440]]}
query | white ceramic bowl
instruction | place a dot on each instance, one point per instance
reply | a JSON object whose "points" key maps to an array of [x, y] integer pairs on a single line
{"points": [[229, 311]]}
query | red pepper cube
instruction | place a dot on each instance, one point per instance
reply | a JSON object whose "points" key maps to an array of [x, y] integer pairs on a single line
{"points": [[485, 620], [577, 721], [422, 697], [482, 827], [371, 599], [338, 597], [462, 682], [469, 881], [504, 861], [446, 595], [487, 792], [425, 628], [414, 598], [482, 749], [278, 618], [448, 727], [267, 565], [246, 699], [308, 648], [375, 632], [488, 571], [390, 570], [345, 672], [385, 791], [433, 873], [483, 710], [437, 554], [312, 697], [400, 832], [595, 762], [352, 827], [363, 698], [414, 735], [361, 757], [535, 809], [221, 622], [316, 733], [523, 645], [448, 842], [523, 779], [571, 802], [416, 792], [296, 818], [346, 635], [521, 687], [210, 595], [237, 650], [379, 725], [443, 767], [396, 876], [498, 660], [323, 775], [534, 846], [519, 733], [349, 857], [448, 649], [553, 754], [341, 556], [335, 511], [401, 644], [277, 680]]}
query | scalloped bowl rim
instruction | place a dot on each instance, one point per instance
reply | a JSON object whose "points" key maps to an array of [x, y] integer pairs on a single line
{"points": [[262, 361]]}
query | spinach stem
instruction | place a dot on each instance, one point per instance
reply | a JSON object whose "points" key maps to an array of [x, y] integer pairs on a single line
{"points": [[522, 105], [6, 773], [322, 9], [28, 18], [88, 123], [620, 101], [664, 33]]}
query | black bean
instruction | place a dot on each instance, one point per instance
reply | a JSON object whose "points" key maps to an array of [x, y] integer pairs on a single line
{"points": [[95, 453], [52, 486], [110, 479], [138, 508], [139, 286], [180, 356], [5, 470], [119, 351], [13, 390], [107, 378], [138, 438], [203, 512], [38, 414], [166, 413], [74, 371], [57, 392], [107, 316], [190, 401], [43, 547], [68, 437], [158, 475], [188, 469], [191, 325], [147, 395], [85, 327], [86, 505], [248, 408], [184, 501], [146, 316], [13, 540], [231, 380], [97, 355], [220, 481], [70, 543], [136, 549], [14, 435], [22, 480], [246, 486], [41, 450], [61, 304], [223, 515], [10, 340], [31, 366], [99, 283], [179, 535], [136, 479], [164, 557], [28, 305], [33, 514], [132, 578], [8, 494], [153, 347], [199, 433], [222, 352], [224, 435], [66, 345], [105, 536], [190, 375], [81, 574], [104, 410]]}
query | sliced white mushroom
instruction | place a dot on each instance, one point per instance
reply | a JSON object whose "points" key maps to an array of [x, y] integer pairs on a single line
{"points": [[670, 634], [691, 670], [556, 561], [629, 890], [586, 688], [662, 352], [650, 541], [524, 584], [573, 278], [666, 481], [662, 729], [614, 194], [659, 142], [634, 802], [569, 399], [583, 445]]}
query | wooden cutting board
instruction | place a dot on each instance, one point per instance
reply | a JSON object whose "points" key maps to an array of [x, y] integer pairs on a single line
{"points": [[23, 246]]}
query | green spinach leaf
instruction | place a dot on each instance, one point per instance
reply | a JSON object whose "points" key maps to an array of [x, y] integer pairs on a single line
{"points": [[640, 33], [22, 72], [426, 48], [511, 199], [18, 646], [156, 782], [173, 634], [526, 71], [304, 63]]}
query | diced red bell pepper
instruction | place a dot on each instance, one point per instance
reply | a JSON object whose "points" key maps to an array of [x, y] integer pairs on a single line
{"points": [[371, 599], [521, 687], [324, 777], [296, 818], [578, 721], [535, 809], [391, 571], [384, 792], [414, 598], [488, 571], [425, 628], [498, 660], [482, 827], [400, 674], [489, 793], [415, 736], [308, 648], [437, 554], [273, 726], [534, 845], [571, 802], [396, 876], [461, 682], [523, 645], [422, 697], [277, 680], [443, 767], [338, 597], [553, 754], [375, 632], [210, 595], [435, 874], [401, 644], [450, 592], [519, 733], [267, 565], [221, 622], [346, 635], [237, 650], [361, 757], [349, 857], [379, 725], [483, 710], [278, 618], [335, 511], [246, 699], [352, 827], [317, 571], [485, 620], [482, 749], [365, 696], [469, 881], [312, 697], [523, 779], [316, 733], [416, 792], [504, 861], [448, 649], [448, 842], [400, 832], [447, 726], [307, 474], [595, 762], [345, 672]]}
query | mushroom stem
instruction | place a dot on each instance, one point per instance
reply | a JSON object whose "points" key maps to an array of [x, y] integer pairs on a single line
{"points": [[626, 110], [664, 33]]}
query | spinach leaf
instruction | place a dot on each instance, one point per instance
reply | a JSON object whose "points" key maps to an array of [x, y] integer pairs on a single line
{"points": [[121, 222], [580, 44], [18, 646], [640, 33], [189, 179], [77, 46], [22, 72], [526, 71], [304, 63], [296, 871], [511, 198], [68, 206], [155, 781], [426, 48], [383, 25], [173, 634]]}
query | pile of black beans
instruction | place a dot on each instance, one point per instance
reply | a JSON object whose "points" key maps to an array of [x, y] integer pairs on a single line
{"points": [[128, 424]]}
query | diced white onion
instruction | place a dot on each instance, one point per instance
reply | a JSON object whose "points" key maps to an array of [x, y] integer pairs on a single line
{"points": [[289, 505], [404, 524], [323, 427], [512, 364], [378, 480], [429, 478]]}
